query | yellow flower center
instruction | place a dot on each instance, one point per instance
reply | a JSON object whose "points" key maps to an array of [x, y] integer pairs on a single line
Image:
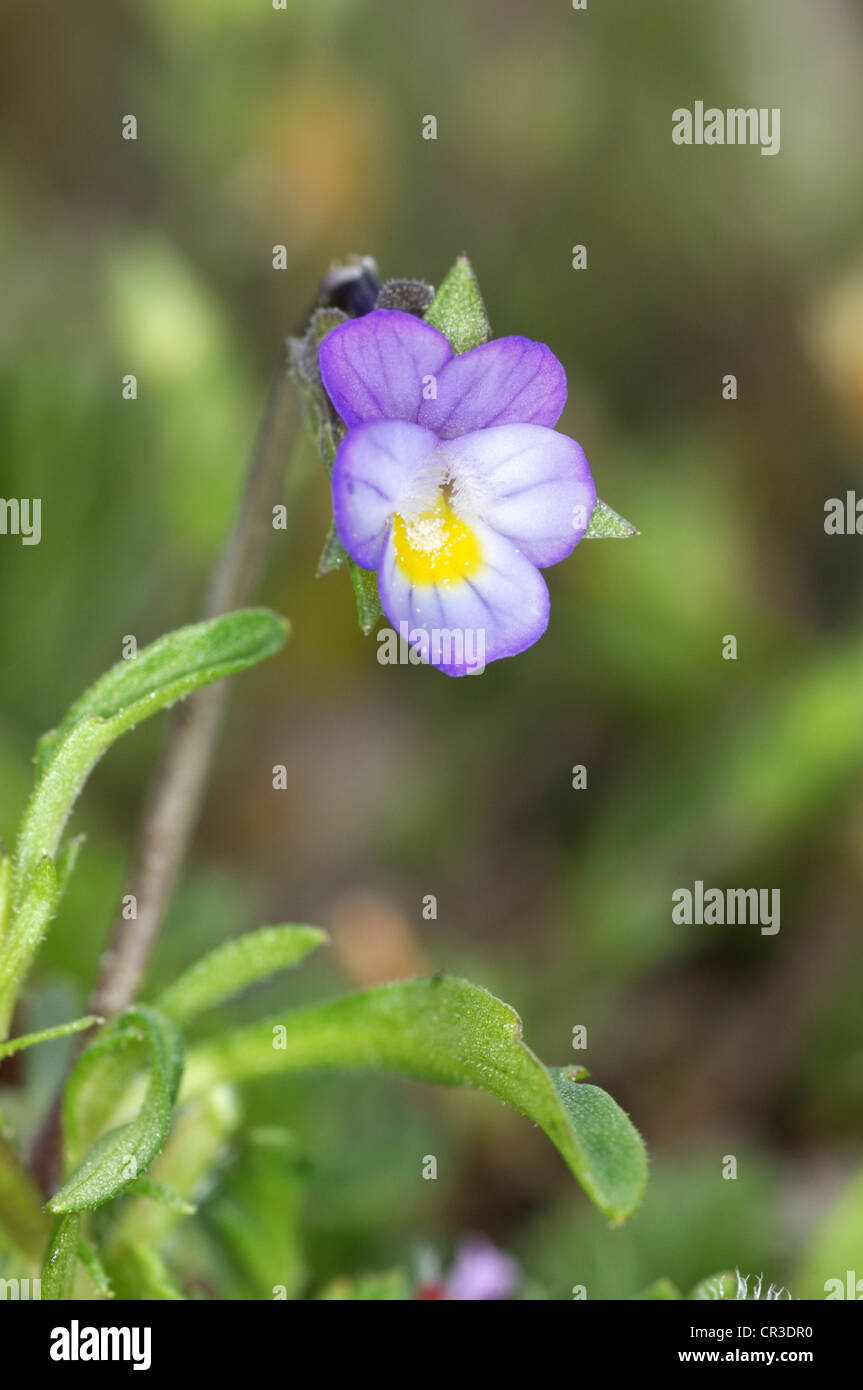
{"points": [[435, 547]]}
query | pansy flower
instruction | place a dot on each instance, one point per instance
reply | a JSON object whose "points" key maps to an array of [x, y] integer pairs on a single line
{"points": [[451, 481], [479, 1273]]}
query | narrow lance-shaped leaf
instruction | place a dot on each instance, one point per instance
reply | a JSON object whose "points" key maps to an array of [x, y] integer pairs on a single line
{"points": [[255, 1215], [229, 968], [452, 1032], [125, 1152], [199, 1137], [158, 1192], [139, 1272], [60, 1030], [170, 669], [97, 1084], [95, 1269], [166, 671], [457, 309], [369, 610], [23, 936], [66, 860], [61, 1258], [333, 555], [108, 1069]]}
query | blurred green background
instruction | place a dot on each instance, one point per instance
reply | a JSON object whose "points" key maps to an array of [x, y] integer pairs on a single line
{"points": [[259, 127]]}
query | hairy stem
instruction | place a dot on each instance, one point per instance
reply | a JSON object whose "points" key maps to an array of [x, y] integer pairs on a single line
{"points": [[175, 797]]}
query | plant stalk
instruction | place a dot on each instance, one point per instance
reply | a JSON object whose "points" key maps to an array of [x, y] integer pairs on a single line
{"points": [[176, 793]]}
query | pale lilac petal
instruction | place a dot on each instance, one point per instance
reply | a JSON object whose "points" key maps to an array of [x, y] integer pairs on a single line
{"points": [[375, 468], [505, 381], [375, 367], [500, 610], [482, 1273], [529, 483]]}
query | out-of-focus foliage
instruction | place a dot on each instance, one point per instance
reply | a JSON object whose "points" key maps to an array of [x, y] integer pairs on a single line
{"points": [[303, 128]]}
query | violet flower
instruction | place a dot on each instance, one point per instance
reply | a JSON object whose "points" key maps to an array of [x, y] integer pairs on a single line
{"points": [[451, 481], [480, 1273]]}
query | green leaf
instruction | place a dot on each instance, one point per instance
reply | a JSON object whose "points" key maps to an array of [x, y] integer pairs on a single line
{"points": [[228, 969], [60, 1030], [200, 1133], [449, 1031], [172, 668], [158, 1192], [124, 1154], [61, 1258], [606, 524], [255, 1215], [457, 309], [333, 555], [139, 1273], [98, 1081], [23, 936], [95, 1269], [367, 1288], [67, 858], [169, 669]]}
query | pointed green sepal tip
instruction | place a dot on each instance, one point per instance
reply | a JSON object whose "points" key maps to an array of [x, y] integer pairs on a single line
{"points": [[607, 524], [458, 309], [369, 610]]}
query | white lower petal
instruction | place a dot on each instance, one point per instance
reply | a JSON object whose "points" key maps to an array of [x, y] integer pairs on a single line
{"points": [[498, 610]]}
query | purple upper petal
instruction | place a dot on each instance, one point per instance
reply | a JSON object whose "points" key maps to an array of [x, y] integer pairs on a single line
{"points": [[504, 381], [374, 367], [376, 467], [529, 483]]}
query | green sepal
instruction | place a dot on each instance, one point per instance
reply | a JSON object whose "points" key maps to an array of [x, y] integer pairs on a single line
{"points": [[606, 524], [457, 309]]}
